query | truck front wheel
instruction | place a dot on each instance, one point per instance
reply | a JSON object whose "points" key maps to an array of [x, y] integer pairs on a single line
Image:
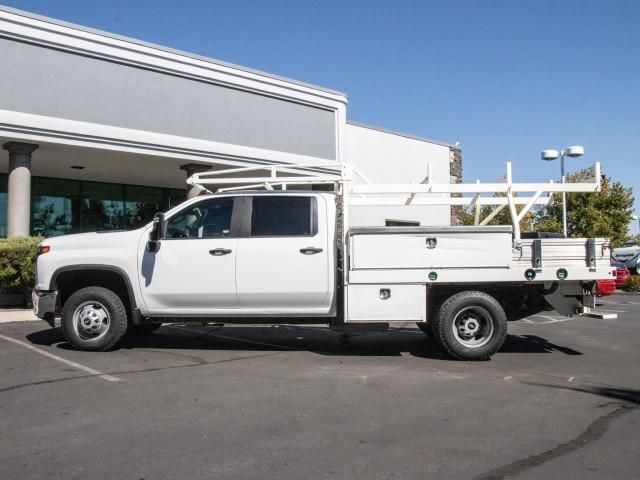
{"points": [[94, 318], [470, 325]]}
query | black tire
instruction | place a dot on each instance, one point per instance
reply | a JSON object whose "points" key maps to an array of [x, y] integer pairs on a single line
{"points": [[470, 325], [94, 319]]}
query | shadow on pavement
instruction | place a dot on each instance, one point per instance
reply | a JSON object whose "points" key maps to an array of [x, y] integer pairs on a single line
{"points": [[629, 395], [534, 344], [320, 340]]}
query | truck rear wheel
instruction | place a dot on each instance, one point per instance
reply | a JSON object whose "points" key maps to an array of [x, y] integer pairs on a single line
{"points": [[470, 325], [94, 318]]}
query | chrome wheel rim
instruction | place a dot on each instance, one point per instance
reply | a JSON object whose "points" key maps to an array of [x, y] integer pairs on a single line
{"points": [[473, 327], [91, 320]]}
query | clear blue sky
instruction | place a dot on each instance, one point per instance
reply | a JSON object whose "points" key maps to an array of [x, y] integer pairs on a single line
{"points": [[505, 78]]}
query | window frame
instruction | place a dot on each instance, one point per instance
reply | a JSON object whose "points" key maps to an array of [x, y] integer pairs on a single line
{"points": [[400, 223], [236, 215], [247, 214]]}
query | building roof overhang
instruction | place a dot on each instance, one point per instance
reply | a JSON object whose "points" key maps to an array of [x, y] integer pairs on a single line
{"points": [[26, 26]]}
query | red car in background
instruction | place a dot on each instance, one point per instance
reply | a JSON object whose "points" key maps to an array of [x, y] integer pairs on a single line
{"points": [[622, 272], [605, 287], [608, 286]]}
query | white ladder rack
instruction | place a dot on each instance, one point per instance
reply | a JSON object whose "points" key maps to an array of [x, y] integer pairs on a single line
{"points": [[355, 189]]}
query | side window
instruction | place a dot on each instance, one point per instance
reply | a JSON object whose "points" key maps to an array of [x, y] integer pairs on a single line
{"points": [[207, 219], [273, 216], [390, 222]]}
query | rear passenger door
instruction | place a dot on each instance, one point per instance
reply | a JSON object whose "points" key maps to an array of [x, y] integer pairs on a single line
{"points": [[283, 255]]}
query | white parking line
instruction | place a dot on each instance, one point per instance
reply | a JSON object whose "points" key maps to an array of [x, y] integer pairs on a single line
{"points": [[89, 370], [625, 302], [549, 319]]}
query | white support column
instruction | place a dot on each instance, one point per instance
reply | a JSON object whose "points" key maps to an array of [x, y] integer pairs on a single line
{"points": [[190, 169], [19, 188]]}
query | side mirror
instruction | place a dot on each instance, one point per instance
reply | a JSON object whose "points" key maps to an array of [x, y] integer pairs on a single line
{"points": [[157, 232]]}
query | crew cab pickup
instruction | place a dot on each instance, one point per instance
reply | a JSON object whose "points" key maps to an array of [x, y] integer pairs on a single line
{"points": [[278, 257]]}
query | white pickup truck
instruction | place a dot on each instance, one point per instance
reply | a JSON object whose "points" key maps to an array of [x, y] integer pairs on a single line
{"points": [[290, 257]]}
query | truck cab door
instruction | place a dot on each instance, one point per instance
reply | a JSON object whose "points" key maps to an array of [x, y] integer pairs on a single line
{"points": [[284, 255], [193, 271]]}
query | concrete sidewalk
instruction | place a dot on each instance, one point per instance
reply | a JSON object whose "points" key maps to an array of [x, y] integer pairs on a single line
{"points": [[8, 315]]}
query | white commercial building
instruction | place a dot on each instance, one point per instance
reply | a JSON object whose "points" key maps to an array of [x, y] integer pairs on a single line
{"points": [[100, 131]]}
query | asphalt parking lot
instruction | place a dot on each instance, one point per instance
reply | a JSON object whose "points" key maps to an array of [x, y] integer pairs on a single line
{"points": [[561, 400]]}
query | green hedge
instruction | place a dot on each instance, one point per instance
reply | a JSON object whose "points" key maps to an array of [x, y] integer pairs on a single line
{"points": [[17, 262], [632, 283]]}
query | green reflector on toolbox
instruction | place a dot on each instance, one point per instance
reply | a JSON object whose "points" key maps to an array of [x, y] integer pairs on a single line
{"points": [[562, 273], [433, 276]]}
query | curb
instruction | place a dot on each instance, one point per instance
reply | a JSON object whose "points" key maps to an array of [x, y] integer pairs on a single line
{"points": [[17, 315]]}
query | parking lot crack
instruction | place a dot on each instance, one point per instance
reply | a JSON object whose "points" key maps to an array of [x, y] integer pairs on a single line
{"points": [[191, 358], [44, 382], [141, 370], [198, 364], [593, 432]]}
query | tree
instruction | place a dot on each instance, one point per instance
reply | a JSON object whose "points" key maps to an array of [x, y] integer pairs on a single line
{"points": [[502, 218], [603, 214]]}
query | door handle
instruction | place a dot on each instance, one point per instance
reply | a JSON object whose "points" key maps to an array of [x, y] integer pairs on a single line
{"points": [[218, 252], [310, 250]]}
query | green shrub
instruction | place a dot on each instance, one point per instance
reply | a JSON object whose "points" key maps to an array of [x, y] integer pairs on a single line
{"points": [[17, 262], [632, 283]]}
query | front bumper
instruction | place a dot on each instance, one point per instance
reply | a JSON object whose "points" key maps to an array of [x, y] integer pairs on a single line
{"points": [[45, 304]]}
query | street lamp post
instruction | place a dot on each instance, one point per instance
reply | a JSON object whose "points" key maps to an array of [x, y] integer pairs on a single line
{"points": [[573, 152]]}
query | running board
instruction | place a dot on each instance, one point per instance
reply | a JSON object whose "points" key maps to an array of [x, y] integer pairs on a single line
{"points": [[359, 327]]}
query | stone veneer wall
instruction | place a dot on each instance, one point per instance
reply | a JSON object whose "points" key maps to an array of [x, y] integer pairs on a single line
{"points": [[455, 172]]}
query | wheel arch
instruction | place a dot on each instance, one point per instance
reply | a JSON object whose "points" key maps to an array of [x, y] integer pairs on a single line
{"points": [[517, 300], [71, 278]]}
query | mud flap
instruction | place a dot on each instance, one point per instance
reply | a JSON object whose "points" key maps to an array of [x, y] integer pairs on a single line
{"points": [[571, 298], [567, 298]]}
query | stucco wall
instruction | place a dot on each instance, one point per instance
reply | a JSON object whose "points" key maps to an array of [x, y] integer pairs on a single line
{"points": [[55, 83], [391, 158]]}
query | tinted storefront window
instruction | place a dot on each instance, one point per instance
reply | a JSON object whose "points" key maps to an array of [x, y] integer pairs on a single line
{"points": [[176, 197], [142, 203], [60, 206], [102, 207], [55, 206]]}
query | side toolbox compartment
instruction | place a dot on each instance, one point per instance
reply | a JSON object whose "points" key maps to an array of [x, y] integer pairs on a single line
{"points": [[387, 303]]}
